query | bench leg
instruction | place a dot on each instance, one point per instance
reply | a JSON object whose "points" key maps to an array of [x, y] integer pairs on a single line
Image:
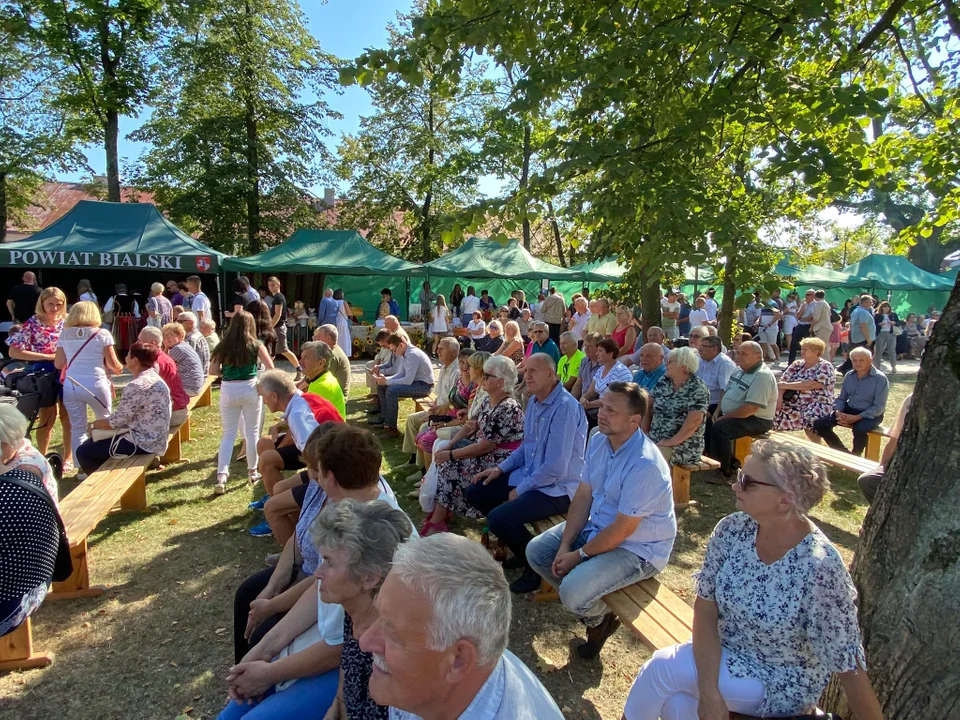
{"points": [[681, 488], [16, 650], [742, 447], [78, 584], [172, 454], [873, 447], [546, 593], [206, 397], [136, 497], [185, 430]]}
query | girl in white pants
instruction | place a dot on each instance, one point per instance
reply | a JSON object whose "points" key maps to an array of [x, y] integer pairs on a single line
{"points": [[236, 358], [86, 351]]}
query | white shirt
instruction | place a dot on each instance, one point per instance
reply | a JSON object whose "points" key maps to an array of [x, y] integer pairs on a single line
{"points": [[697, 318], [578, 324], [89, 297], [477, 329], [109, 306], [536, 310], [711, 307], [88, 363], [201, 304], [469, 305], [300, 420], [440, 319]]}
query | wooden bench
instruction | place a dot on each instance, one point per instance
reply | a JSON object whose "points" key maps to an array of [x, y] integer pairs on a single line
{"points": [[680, 475], [17, 653], [424, 403], [874, 438], [837, 458], [657, 616], [180, 435]]}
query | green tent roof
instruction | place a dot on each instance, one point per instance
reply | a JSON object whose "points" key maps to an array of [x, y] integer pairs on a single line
{"points": [[821, 277], [483, 258], [894, 272], [951, 274], [335, 252], [106, 235], [603, 270]]}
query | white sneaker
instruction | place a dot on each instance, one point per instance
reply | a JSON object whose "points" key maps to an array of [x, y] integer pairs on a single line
{"points": [[221, 487]]}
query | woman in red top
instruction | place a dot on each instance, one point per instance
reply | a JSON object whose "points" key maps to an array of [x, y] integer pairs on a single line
{"points": [[624, 334]]}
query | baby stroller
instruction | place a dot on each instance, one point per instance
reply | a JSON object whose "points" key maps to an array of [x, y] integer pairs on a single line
{"points": [[30, 390]]}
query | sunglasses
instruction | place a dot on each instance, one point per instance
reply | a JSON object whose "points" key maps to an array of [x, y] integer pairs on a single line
{"points": [[744, 481]]}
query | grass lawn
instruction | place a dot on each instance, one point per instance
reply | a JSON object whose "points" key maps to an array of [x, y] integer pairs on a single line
{"points": [[159, 643]]}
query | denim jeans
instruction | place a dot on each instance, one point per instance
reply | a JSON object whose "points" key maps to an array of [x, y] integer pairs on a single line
{"points": [[824, 428], [390, 399], [307, 697], [583, 587]]}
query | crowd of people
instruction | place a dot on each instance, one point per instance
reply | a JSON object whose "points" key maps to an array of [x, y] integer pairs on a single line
{"points": [[550, 409]]}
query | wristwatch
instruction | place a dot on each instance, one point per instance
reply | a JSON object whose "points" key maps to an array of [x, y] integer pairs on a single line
{"points": [[583, 554]]}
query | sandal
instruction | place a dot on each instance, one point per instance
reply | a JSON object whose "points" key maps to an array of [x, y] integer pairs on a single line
{"points": [[221, 487], [253, 477]]}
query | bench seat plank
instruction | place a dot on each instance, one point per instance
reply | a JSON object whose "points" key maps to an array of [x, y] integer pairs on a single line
{"points": [[639, 620], [98, 494], [838, 458]]}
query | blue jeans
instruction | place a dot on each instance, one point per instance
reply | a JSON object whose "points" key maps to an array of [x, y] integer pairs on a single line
{"points": [[390, 399], [824, 428], [583, 587], [306, 698]]}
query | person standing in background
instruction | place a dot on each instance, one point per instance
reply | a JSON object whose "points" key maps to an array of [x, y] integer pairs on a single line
{"points": [[670, 314], [278, 304], [804, 319], [329, 308], [22, 300], [200, 305], [553, 311], [85, 293]]}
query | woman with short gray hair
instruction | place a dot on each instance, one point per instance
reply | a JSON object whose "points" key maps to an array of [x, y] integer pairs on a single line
{"points": [[159, 309], [680, 400], [16, 450], [775, 615]]}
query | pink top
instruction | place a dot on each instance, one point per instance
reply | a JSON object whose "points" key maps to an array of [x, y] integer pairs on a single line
{"points": [[34, 336]]}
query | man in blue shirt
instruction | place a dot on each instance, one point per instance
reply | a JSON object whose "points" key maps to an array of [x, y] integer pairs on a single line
{"points": [[538, 479], [652, 366], [327, 313], [863, 329], [620, 527], [860, 404], [543, 343]]}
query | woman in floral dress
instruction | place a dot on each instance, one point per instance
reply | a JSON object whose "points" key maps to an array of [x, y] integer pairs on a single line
{"points": [[775, 615], [806, 389], [498, 431], [677, 408]]}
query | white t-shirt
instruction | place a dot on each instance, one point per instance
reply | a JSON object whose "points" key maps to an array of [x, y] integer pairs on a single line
{"points": [[300, 420], [477, 328], [88, 363], [697, 318], [110, 303], [578, 324], [673, 307], [201, 304], [469, 305], [711, 307], [441, 317]]}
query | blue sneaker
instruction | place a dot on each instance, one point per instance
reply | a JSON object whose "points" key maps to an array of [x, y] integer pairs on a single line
{"points": [[261, 530], [258, 504]]}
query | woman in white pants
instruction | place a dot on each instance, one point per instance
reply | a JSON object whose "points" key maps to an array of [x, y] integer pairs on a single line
{"points": [[236, 358], [85, 355]]}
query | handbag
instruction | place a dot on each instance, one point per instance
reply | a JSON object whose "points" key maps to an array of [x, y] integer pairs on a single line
{"points": [[789, 395], [63, 566]]}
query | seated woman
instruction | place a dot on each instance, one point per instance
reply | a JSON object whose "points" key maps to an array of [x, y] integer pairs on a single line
{"points": [[357, 542], [343, 461], [188, 361], [624, 334], [16, 451], [674, 419], [775, 615], [513, 344], [494, 339], [477, 327], [497, 431], [140, 424], [806, 390], [455, 408], [611, 370], [913, 339]]}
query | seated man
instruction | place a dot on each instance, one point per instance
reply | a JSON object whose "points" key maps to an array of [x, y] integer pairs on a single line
{"points": [[538, 479], [194, 339], [439, 643], [620, 527], [167, 370], [569, 365], [588, 366], [279, 452], [208, 328], [378, 363], [414, 379], [747, 408], [654, 335], [449, 353], [652, 366], [188, 362], [860, 404], [715, 370], [339, 362], [316, 358], [542, 343], [870, 482]]}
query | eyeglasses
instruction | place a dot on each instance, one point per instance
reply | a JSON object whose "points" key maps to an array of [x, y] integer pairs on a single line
{"points": [[744, 481], [488, 376]]}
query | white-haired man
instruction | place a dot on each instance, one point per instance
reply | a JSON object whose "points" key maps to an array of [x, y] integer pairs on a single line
{"points": [[328, 310], [439, 644], [195, 339], [747, 407], [340, 363], [860, 404]]}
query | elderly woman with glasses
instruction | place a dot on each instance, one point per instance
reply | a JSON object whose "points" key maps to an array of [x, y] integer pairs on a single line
{"points": [[775, 615], [480, 444]]}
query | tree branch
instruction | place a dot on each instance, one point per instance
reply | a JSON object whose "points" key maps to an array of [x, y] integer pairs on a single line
{"points": [[883, 24]]}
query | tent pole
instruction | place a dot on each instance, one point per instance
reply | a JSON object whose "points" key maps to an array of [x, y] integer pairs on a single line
{"points": [[408, 296]]}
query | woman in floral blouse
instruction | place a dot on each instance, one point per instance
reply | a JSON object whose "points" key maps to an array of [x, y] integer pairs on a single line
{"points": [[775, 615], [806, 389], [143, 413], [36, 342], [679, 403]]}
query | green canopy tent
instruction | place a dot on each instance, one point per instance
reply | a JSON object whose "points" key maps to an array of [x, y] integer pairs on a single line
{"points": [[105, 242], [592, 274], [503, 268], [895, 272], [313, 259]]}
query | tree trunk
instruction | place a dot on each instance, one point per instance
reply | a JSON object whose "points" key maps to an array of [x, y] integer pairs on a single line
{"points": [[929, 252], [3, 206], [111, 131], [253, 181], [524, 179], [907, 563], [425, 226], [556, 233], [650, 300], [728, 308]]}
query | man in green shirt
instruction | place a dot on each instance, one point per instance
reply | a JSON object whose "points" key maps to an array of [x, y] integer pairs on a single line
{"points": [[315, 357], [570, 359], [340, 364]]}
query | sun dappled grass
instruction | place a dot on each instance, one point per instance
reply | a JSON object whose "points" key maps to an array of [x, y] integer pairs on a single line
{"points": [[159, 643]]}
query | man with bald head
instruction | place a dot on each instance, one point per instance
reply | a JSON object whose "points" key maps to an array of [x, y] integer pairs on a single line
{"points": [[22, 300], [539, 478], [652, 367], [747, 407], [654, 335]]}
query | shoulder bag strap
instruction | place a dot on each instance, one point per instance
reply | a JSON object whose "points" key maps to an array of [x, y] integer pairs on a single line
{"points": [[63, 372]]}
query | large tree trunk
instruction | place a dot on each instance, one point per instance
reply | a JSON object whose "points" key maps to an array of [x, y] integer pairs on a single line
{"points": [[425, 228], [650, 300], [111, 139], [929, 252], [3, 206], [728, 308], [556, 233], [253, 181], [524, 179], [907, 563]]}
